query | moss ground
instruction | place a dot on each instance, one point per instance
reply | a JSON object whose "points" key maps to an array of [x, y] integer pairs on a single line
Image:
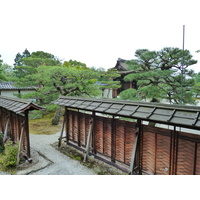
{"points": [[43, 126]]}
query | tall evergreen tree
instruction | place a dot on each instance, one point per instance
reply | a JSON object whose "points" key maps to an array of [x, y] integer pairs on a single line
{"points": [[28, 63], [18, 59], [2, 74]]}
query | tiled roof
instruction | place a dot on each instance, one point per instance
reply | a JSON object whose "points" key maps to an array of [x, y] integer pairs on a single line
{"points": [[17, 105], [185, 116], [122, 67], [10, 86]]}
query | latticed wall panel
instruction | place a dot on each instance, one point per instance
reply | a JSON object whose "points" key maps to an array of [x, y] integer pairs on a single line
{"points": [[162, 154], [185, 157], [129, 141], [78, 127], [75, 127], [82, 130], [107, 137], [197, 167], [70, 125], [149, 152], [99, 135], [120, 141]]}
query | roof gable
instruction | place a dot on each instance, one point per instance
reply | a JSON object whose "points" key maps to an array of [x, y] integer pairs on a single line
{"points": [[17, 105]]}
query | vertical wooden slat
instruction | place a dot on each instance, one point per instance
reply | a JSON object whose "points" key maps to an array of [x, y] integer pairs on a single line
{"points": [[134, 152], [195, 159], [155, 159], [113, 140], [176, 155], [94, 133], [62, 130], [88, 140], [170, 156], [78, 128], [141, 149], [124, 156]]}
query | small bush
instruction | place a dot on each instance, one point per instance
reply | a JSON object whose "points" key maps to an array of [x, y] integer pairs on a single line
{"points": [[9, 156]]}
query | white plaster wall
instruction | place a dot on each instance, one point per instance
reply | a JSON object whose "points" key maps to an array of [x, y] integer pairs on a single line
{"points": [[10, 93]]}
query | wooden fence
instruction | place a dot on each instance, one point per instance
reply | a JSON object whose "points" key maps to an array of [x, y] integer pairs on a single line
{"points": [[159, 151]]}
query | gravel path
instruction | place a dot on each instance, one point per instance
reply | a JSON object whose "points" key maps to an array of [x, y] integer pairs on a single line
{"points": [[51, 161]]}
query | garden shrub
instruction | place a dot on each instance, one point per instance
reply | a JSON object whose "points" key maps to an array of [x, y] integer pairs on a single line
{"points": [[9, 156]]}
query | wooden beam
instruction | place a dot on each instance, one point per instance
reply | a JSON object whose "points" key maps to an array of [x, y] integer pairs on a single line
{"points": [[113, 139], [62, 130], [20, 145], [134, 152], [88, 140], [26, 129]]}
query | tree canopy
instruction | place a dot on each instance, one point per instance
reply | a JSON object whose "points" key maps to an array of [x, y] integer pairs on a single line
{"points": [[51, 78], [158, 75], [27, 63], [2, 72]]}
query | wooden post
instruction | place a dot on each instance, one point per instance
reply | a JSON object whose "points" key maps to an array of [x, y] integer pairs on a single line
{"points": [[88, 140], [113, 138], [133, 153], [137, 133], [62, 130], [93, 134], [78, 128], [20, 145], [26, 129]]}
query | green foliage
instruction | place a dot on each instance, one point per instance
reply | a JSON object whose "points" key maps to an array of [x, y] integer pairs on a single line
{"points": [[74, 64], [2, 73], [36, 114], [108, 81], [51, 108], [9, 157], [52, 81], [158, 75], [19, 57], [129, 94], [196, 87], [26, 64]]}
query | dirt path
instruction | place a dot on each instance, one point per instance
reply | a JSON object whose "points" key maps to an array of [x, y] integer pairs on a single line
{"points": [[51, 161]]}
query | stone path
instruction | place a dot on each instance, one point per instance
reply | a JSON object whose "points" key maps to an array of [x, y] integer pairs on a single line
{"points": [[50, 161]]}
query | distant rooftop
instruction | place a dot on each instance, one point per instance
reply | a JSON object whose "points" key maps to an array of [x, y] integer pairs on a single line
{"points": [[122, 67], [11, 86]]}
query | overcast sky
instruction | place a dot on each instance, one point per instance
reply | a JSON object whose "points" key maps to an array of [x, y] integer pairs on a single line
{"points": [[97, 32]]}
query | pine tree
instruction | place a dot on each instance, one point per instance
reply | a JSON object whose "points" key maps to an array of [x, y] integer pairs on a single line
{"points": [[158, 75]]}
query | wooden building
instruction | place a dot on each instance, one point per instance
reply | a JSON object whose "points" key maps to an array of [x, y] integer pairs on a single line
{"points": [[122, 68], [10, 90]]}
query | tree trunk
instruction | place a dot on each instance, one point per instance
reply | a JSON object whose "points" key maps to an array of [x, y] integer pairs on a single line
{"points": [[58, 113]]}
